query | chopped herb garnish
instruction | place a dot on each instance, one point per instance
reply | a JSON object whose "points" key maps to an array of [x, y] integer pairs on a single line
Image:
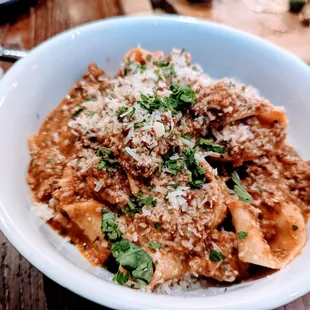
{"points": [[148, 57], [150, 188], [107, 159], [196, 183], [231, 85], [294, 227], [138, 125], [77, 113], [134, 259], [174, 164], [242, 194], [158, 225], [243, 88], [162, 64], [132, 112], [166, 66], [49, 160], [121, 278], [174, 185], [132, 207], [216, 256], [151, 103], [91, 113], [121, 110], [197, 177], [160, 167], [108, 226], [181, 98], [132, 285], [102, 151], [147, 201], [183, 50], [102, 164], [242, 235], [89, 98], [157, 72], [139, 193], [208, 146], [141, 68], [194, 68], [154, 245], [135, 204], [186, 137]]}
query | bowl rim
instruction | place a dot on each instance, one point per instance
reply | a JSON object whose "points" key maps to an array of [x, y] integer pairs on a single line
{"points": [[106, 293]]}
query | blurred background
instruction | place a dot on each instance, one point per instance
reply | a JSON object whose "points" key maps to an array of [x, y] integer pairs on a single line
{"points": [[26, 23]]}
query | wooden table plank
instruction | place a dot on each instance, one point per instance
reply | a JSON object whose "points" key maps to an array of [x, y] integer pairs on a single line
{"points": [[268, 19], [21, 285]]}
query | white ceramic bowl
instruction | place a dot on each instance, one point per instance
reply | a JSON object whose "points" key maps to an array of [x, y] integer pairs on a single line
{"points": [[35, 85]]}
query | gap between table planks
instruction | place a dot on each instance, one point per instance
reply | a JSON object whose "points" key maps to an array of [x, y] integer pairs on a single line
{"points": [[22, 286]]}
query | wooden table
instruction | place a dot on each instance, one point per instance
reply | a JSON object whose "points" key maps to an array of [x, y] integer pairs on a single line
{"points": [[21, 285]]}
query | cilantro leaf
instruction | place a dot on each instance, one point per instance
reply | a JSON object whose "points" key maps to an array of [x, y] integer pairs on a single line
{"points": [[89, 98], [183, 93], [132, 207], [121, 110], [158, 225], [139, 124], [141, 68], [161, 64], [107, 159], [208, 146], [77, 113], [216, 256], [91, 113], [154, 245], [147, 201], [242, 235], [132, 112], [185, 137], [135, 204], [150, 103], [102, 151], [134, 259], [108, 226], [174, 163], [240, 191], [121, 278], [197, 177], [180, 100]]}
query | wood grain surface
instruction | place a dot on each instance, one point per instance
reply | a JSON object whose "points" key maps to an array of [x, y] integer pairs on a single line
{"points": [[21, 285], [268, 19]]}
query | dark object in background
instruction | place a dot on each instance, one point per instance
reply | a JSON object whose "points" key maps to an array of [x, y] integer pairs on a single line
{"points": [[304, 15], [297, 5], [11, 9], [200, 1]]}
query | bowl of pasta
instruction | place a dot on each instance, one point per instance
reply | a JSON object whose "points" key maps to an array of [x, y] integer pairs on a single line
{"points": [[159, 163]]}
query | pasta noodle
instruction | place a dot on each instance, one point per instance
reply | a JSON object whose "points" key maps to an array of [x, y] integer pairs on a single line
{"points": [[162, 174]]}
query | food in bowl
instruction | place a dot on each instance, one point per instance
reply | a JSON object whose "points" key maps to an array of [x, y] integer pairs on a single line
{"points": [[162, 174]]}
